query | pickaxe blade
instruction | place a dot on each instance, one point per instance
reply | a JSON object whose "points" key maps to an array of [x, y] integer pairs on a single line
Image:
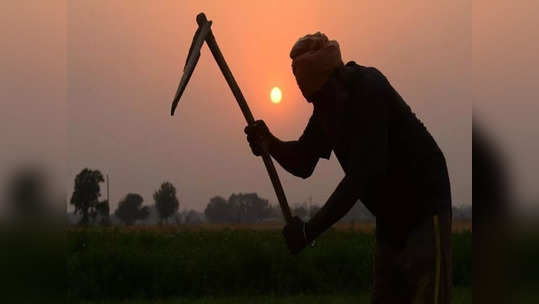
{"points": [[191, 61]]}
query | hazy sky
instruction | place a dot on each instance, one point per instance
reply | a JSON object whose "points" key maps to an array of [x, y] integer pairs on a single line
{"points": [[506, 81], [33, 88], [124, 60], [89, 84]]}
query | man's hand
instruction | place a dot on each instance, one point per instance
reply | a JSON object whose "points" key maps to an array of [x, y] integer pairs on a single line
{"points": [[259, 137], [295, 235]]}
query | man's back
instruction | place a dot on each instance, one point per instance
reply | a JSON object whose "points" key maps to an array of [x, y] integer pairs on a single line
{"points": [[357, 99]]}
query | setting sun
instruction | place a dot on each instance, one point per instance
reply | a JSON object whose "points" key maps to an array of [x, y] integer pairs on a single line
{"points": [[276, 95]]}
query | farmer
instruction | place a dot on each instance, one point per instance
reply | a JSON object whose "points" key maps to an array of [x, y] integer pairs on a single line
{"points": [[391, 163]]}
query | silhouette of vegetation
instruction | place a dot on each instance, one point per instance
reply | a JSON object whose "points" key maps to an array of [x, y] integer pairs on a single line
{"points": [[166, 201], [103, 213], [313, 210], [86, 194], [163, 263], [239, 208], [218, 211], [130, 209], [462, 212], [193, 217], [301, 211], [27, 195], [358, 213]]}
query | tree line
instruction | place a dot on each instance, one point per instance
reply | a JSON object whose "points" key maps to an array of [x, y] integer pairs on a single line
{"points": [[246, 208], [87, 191], [28, 196]]}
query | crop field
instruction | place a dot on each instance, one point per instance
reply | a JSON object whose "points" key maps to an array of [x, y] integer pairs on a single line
{"points": [[362, 227], [460, 296], [235, 264]]}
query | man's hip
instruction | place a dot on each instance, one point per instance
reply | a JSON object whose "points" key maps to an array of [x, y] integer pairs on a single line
{"points": [[419, 271]]}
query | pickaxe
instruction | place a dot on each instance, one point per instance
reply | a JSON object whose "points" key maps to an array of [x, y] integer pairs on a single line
{"points": [[202, 34]]}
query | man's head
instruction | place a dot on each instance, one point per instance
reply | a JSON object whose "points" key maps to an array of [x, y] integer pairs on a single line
{"points": [[314, 58]]}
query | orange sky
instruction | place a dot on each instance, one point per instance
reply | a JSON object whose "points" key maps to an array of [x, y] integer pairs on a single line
{"points": [[123, 61], [33, 85]]}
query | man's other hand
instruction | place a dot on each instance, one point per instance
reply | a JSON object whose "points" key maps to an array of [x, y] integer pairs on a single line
{"points": [[259, 137], [294, 234]]}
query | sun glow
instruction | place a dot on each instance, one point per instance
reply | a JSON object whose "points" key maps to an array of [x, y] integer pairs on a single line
{"points": [[276, 95]]}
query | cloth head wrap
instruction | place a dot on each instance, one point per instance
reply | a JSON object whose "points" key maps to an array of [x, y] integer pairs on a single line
{"points": [[314, 58]]}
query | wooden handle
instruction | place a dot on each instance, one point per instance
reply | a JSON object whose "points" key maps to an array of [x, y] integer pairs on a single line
{"points": [[279, 191], [274, 177], [201, 19]]}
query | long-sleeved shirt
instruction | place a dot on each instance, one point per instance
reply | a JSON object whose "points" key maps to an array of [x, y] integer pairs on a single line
{"points": [[391, 162]]}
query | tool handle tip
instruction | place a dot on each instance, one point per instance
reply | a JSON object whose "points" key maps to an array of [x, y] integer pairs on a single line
{"points": [[201, 19]]}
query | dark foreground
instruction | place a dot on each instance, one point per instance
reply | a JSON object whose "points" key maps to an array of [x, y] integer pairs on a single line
{"points": [[461, 296], [229, 266]]}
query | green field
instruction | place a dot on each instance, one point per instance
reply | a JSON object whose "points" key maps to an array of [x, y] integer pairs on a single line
{"points": [[229, 266]]}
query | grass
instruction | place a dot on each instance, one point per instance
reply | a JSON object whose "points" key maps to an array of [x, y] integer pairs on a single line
{"points": [[118, 264], [353, 226], [460, 296]]}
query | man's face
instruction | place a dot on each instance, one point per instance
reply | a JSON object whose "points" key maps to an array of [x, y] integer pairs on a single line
{"points": [[314, 58]]}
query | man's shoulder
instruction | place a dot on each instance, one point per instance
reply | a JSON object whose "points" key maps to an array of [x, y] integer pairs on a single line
{"points": [[353, 67], [358, 75]]}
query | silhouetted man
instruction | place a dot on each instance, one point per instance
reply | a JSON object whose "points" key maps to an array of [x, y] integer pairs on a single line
{"points": [[391, 163]]}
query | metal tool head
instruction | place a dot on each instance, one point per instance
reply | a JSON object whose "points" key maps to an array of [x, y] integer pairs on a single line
{"points": [[192, 57]]}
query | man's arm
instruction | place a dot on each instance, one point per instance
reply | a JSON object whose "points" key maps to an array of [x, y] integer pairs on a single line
{"points": [[368, 153], [294, 156], [339, 203], [366, 164]]}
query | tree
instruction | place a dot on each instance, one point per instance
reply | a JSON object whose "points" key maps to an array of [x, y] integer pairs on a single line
{"points": [[166, 201], [313, 210], [300, 211], [275, 212], [462, 212], [240, 208], [86, 194], [217, 210], [130, 209], [250, 208], [103, 213], [358, 213], [193, 217]]}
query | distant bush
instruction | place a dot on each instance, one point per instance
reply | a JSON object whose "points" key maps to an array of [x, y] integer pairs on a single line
{"points": [[130, 209], [239, 208], [462, 212]]}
